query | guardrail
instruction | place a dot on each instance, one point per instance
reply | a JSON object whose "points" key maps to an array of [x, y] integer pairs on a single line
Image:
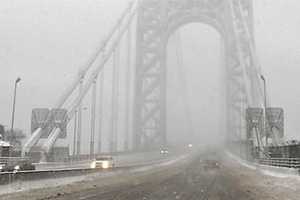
{"points": [[8, 177], [280, 162], [13, 159]]}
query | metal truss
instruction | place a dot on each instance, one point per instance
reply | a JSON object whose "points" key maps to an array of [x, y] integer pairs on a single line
{"points": [[156, 21]]}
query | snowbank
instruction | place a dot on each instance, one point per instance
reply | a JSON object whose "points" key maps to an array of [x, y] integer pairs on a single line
{"points": [[279, 172]]}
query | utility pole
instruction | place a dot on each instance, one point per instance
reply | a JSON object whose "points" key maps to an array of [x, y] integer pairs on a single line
{"points": [[79, 128], [265, 105], [75, 133], [14, 104]]}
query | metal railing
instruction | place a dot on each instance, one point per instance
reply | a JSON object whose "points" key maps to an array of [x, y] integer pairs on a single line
{"points": [[280, 162], [13, 159]]}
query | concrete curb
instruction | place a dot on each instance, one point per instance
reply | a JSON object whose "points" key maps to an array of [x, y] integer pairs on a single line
{"points": [[278, 170]]}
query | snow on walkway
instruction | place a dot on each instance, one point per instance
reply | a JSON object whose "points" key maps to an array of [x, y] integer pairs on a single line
{"points": [[266, 170]]}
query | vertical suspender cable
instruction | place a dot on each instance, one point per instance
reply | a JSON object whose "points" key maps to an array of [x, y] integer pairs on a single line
{"points": [[116, 97], [113, 136], [127, 100], [79, 129], [100, 112], [93, 117]]}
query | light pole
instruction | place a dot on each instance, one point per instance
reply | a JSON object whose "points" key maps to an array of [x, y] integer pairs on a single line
{"points": [[265, 105], [75, 133], [14, 104]]}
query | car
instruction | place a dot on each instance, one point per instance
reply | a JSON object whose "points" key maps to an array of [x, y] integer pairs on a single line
{"points": [[103, 162], [210, 164], [164, 151]]}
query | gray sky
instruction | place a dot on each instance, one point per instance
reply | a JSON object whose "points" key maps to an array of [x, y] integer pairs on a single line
{"points": [[45, 42]]}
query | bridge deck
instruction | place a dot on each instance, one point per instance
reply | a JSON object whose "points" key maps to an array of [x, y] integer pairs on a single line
{"points": [[199, 178]]}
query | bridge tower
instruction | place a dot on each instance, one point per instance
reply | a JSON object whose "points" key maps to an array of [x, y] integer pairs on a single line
{"points": [[156, 21]]}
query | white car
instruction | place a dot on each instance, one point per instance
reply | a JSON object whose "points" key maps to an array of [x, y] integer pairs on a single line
{"points": [[103, 162]]}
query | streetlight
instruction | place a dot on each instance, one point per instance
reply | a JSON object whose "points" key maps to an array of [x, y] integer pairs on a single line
{"points": [[14, 104], [265, 90], [75, 132], [265, 105]]}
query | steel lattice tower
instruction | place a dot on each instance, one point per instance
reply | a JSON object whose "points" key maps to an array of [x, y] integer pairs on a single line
{"points": [[156, 21]]}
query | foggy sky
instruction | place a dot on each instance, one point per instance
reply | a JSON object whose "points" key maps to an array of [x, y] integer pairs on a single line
{"points": [[45, 43]]}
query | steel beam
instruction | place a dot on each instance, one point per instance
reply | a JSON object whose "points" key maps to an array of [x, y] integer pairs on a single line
{"points": [[156, 21]]}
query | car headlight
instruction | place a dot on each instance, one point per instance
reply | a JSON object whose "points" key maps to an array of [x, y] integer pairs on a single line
{"points": [[93, 165], [162, 151], [17, 167], [105, 164], [1, 167]]}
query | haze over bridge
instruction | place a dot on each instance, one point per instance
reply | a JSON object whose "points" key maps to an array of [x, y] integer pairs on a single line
{"points": [[139, 38], [132, 59]]}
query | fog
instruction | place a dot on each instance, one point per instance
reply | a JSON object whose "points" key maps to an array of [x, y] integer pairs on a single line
{"points": [[46, 42], [195, 93]]}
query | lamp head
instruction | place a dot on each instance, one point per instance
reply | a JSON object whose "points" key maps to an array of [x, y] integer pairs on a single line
{"points": [[18, 80]]}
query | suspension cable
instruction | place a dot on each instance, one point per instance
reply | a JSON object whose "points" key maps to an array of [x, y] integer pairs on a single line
{"points": [[107, 49], [100, 113], [128, 78], [93, 117], [115, 100], [83, 71]]}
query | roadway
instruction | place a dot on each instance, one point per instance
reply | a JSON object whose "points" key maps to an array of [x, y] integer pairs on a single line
{"points": [[201, 177], [59, 174], [122, 160]]}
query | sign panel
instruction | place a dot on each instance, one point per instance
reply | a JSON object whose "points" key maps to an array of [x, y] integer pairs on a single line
{"points": [[1, 130], [39, 119], [57, 118], [275, 121], [60, 120], [254, 118]]}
